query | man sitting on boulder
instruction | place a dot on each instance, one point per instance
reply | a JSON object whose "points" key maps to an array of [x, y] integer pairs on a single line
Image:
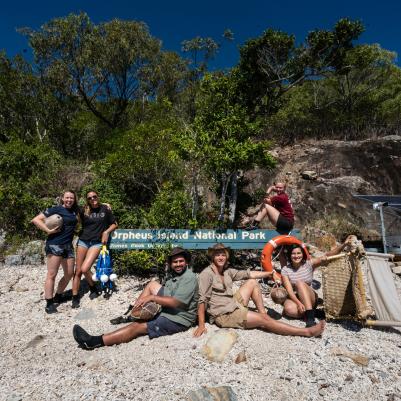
{"points": [[178, 299]]}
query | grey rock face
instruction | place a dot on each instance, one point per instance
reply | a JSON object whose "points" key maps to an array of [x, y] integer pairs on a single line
{"points": [[35, 259], [309, 175], [2, 238], [32, 248], [14, 260]]}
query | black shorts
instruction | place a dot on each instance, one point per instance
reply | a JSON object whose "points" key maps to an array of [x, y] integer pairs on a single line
{"points": [[284, 226]]}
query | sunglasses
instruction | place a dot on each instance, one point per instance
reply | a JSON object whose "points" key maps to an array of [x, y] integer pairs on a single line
{"points": [[89, 198]]}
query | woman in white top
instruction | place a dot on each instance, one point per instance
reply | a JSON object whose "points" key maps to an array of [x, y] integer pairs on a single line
{"points": [[297, 278]]}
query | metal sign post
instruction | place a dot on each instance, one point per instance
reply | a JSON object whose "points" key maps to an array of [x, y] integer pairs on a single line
{"points": [[379, 206]]}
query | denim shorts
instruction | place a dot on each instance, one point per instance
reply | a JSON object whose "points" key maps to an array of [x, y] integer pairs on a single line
{"points": [[89, 244], [66, 251], [161, 326]]}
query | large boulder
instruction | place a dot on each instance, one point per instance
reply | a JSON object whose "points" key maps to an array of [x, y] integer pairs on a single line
{"points": [[30, 253], [222, 393], [219, 345], [14, 260]]}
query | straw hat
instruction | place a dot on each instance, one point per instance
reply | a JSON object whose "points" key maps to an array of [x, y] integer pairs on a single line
{"points": [[216, 248]]}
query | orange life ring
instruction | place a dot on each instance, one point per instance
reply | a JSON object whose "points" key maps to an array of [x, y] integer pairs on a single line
{"points": [[266, 258]]}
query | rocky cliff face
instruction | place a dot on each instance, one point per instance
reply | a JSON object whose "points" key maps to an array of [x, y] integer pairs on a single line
{"points": [[323, 176]]}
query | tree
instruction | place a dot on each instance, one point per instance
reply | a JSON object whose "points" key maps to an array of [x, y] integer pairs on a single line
{"points": [[272, 64], [220, 141], [105, 66], [142, 159], [28, 110]]}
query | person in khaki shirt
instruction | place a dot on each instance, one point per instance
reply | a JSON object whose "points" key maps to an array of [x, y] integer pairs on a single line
{"points": [[229, 309]]}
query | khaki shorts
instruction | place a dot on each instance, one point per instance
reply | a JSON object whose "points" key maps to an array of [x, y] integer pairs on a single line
{"points": [[235, 319]]}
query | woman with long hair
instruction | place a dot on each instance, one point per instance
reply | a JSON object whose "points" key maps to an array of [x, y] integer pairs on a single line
{"points": [[97, 224], [59, 249], [297, 276]]}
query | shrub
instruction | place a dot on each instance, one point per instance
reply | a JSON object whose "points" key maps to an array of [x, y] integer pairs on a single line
{"points": [[27, 174], [141, 262], [170, 209], [339, 226]]}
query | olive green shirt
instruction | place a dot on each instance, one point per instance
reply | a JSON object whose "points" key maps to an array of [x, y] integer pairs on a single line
{"points": [[184, 288], [216, 295]]}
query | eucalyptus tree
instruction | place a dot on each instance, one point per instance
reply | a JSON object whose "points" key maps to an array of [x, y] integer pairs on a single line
{"points": [[105, 66], [221, 139], [273, 64]]}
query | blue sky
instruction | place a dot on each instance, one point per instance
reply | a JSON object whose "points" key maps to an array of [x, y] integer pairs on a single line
{"points": [[174, 21]]}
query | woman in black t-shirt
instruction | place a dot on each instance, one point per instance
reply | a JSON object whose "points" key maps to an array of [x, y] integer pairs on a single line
{"points": [[97, 224], [59, 249]]}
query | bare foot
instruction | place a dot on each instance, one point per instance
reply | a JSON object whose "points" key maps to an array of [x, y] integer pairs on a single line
{"points": [[317, 330]]}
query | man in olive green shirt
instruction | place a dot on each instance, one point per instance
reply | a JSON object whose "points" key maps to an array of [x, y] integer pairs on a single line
{"points": [[178, 299]]}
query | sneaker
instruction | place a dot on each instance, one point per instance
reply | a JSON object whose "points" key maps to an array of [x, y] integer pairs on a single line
{"points": [[58, 298], [75, 303], [251, 226], [83, 339], [51, 309], [94, 293], [244, 220], [63, 297]]}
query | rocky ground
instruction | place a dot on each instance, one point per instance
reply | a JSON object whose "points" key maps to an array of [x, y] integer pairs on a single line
{"points": [[39, 359]]}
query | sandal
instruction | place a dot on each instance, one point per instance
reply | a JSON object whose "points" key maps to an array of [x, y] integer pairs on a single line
{"points": [[123, 319]]}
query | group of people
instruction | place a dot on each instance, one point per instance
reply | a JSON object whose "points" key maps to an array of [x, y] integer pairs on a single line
{"points": [[184, 298], [97, 222]]}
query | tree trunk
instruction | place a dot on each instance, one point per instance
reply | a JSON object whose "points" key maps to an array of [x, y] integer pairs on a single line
{"points": [[225, 180], [195, 196], [233, 197]]}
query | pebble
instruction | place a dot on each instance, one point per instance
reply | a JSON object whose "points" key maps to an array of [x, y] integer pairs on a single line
{"points": [[169, 368]]}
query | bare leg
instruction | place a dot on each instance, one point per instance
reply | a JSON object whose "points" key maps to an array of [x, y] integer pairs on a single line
{"points": [[53, 263], [270, 212], [68, 268], [305, 294], [89, 257], [265, 322], [152, 288], [81, 253], [251, 289], [125, 334], [290, 309]]}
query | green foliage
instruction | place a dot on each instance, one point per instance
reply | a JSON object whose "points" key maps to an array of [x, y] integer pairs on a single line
{"points": [[339, 226], [171, 208], [140, 160], [106, 66], [103, 107], [221, 139], [272, 64], [27, 174], [28, 110], [141, 262], [346, 102]]}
